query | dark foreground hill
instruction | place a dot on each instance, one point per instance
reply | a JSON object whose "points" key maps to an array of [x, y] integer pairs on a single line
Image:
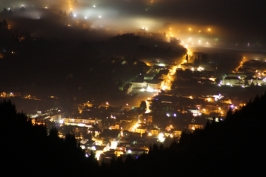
{"points": [[29, 150], [233, 147]]}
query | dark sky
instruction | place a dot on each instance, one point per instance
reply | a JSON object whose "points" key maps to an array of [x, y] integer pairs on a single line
{"points": [[237, 19]]}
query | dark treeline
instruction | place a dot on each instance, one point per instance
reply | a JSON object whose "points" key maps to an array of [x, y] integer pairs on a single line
{"points": [[28, 149], [233, 147]]}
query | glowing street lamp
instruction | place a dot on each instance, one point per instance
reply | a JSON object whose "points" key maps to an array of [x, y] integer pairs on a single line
{"points": [[209, 30]]}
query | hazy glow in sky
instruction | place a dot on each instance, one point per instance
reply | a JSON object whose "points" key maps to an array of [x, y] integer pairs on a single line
{"points": [[238, 20]]}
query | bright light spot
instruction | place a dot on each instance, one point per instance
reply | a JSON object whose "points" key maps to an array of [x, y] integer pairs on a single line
{"points": [[200, 68], [100, 16], [94, 6], [97, 155], [149, 89], [161, 137], [114, 144], [148, 107]]}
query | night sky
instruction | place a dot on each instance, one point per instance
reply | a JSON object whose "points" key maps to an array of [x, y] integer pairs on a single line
{"points": [[239, 20]]}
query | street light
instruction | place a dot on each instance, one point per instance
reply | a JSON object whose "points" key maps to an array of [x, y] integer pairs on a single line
{"points": [[209, 30]]}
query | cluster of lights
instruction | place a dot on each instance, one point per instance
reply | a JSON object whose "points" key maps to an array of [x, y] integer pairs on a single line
{"points": [[198, 69], [199, 31], [75, 15], [149, 89], [191, 42], [145, 28], [134, 127], [169, 115]]}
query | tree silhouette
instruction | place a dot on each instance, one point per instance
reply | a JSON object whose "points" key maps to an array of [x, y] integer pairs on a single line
{"points": [[143, 107], [45, 153]]}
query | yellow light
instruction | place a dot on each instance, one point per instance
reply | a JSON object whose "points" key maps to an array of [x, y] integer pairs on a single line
{"points": [[161, 137]]}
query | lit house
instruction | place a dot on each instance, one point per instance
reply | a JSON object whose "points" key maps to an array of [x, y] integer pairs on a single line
{"points": [[141, 129]]}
